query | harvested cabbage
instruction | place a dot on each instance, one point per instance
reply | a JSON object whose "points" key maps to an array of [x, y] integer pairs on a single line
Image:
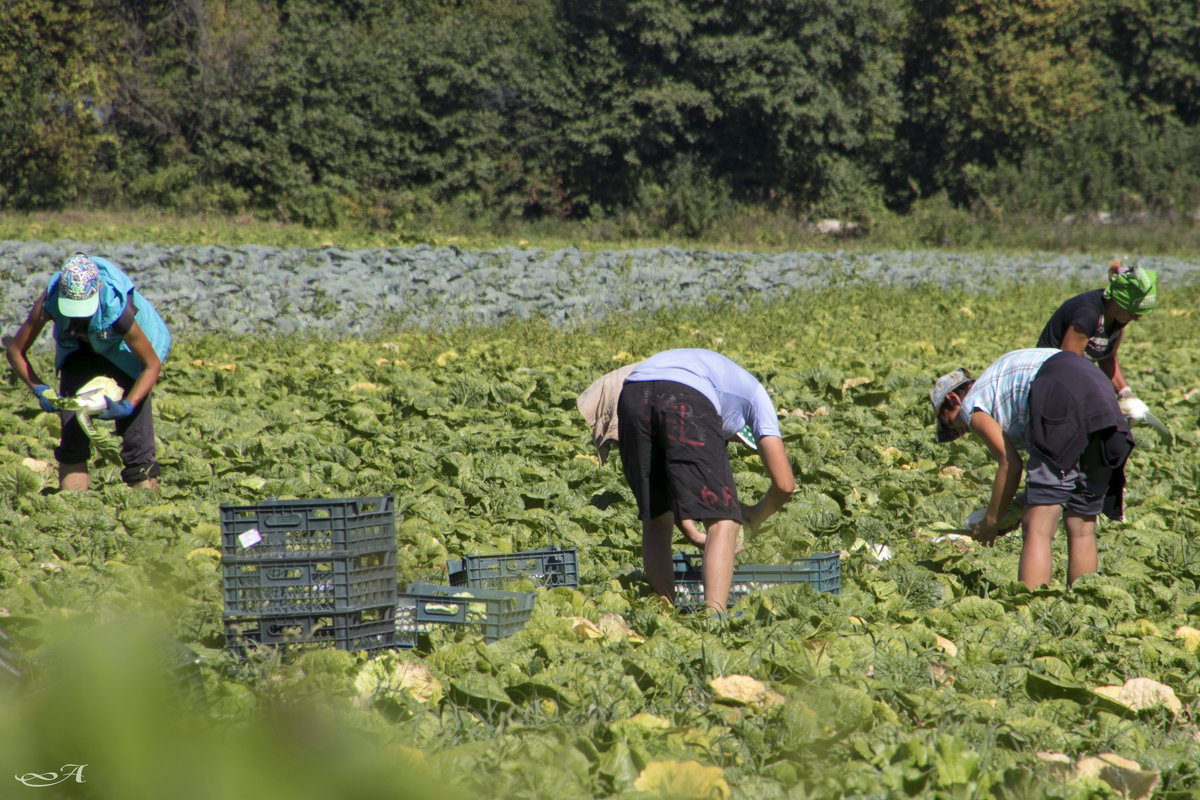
{"points": [[92, 395], [89, 401], [1009, 520], [107, 443]]}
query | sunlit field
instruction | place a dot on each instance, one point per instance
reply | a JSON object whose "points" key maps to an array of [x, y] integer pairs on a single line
{"points": [[932, 673]]}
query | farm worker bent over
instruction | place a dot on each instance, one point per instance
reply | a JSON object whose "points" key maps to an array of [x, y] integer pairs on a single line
{"points": [[102, 326], [1093, 323], [1057, 405], [675, 413]]}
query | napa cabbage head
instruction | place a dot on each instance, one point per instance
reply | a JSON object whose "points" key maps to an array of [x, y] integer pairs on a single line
{"points": [[91, 396], [91, 399]]}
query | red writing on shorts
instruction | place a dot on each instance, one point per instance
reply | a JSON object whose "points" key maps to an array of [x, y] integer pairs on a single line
{"points": [[681, 437], [710, 498]]}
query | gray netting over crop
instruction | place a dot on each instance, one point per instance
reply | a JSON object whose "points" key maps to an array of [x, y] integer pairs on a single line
{"points": [[281, 290]]}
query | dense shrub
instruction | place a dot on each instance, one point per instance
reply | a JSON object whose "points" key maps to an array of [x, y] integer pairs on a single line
{"points": [[655, 114]]}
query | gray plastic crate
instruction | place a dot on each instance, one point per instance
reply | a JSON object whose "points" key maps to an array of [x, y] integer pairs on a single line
{"points": [[366, 629], [492, 613], [308, 586], [279, 529], [549, 567], [822, 571]]}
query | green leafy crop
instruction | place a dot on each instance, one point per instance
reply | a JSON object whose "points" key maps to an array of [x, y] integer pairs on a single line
{"points": [[933, 673]]}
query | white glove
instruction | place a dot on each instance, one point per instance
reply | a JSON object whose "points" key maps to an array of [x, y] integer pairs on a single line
{"points": [[1133, 408]]}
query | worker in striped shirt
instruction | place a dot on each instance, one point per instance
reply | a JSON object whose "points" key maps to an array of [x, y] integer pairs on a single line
{"points": [[1057, 406]]}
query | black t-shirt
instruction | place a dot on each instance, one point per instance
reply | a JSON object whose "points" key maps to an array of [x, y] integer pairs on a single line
{"points": [[77, 328], [1087, 312]]}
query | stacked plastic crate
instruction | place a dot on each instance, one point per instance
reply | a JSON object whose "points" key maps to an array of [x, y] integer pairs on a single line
{"points": [[310, 572]]}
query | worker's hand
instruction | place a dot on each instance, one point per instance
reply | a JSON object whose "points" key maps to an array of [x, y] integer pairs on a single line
{"points": [[117, 410], [1133, 408], [752, 516], [40, 390], [986, 532]]}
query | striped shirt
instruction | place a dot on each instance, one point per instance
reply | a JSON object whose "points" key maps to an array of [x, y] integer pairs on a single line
{"points": [[1002, 391]]}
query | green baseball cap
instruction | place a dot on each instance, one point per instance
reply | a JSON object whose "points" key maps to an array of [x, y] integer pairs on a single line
{"points": [[1134, 289]]}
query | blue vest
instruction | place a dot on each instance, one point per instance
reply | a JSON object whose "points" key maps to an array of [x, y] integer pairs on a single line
{"points": [[115, 290]]}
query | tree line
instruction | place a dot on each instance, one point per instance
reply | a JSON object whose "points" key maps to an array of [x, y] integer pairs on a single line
{"points": [[370, 111]]}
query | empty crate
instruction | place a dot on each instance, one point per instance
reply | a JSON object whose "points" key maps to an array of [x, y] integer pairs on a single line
{"points": [[492, 613], [550, 567], [822, 571]]}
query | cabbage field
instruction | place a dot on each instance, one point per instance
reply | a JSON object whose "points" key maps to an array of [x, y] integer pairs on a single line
{"points": [[449, 378]]}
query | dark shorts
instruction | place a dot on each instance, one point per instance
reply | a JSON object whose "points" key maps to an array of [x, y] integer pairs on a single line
{"points": [[674, 454], [1081, 490], [136, 431]]}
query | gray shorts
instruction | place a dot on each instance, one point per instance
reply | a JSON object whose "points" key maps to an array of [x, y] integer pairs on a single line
{"points": [[1081, 490]]}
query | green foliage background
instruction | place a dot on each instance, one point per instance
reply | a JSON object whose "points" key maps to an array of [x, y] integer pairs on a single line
{"points": [[649, 114], [476, 433]]}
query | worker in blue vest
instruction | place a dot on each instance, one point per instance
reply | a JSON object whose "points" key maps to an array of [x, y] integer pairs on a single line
{"points": [[102, 326]]}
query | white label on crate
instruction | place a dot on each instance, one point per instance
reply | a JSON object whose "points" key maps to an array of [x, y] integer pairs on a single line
{"points": [[250, 538]]}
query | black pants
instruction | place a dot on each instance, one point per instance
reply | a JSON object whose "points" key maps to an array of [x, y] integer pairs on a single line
{"points": [[136, 431]]}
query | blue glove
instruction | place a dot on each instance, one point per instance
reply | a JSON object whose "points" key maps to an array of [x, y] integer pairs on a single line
{"points": [[46, 405], [116, 410]]}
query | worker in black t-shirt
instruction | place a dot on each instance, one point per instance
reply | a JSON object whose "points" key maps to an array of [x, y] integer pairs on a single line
{"points": [[1092, 324]]}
